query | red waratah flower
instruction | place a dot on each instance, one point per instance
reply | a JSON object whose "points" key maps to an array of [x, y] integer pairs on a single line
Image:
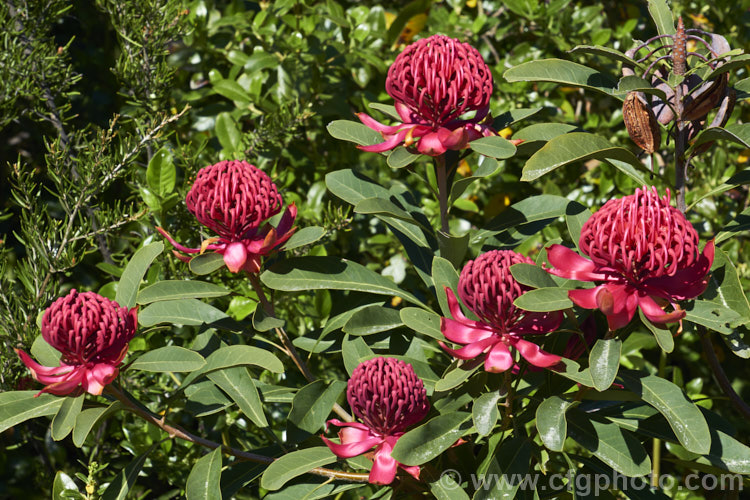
{"points": [[92, 333], [488, 289], [644, 253], [388, 397], [234, 199], [433, 82]]}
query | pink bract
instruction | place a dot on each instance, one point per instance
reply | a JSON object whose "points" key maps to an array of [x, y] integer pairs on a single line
{"points": [[644, 253], [388, 397], [92, 333], [433, 82], [488, 289], [234, 199]]}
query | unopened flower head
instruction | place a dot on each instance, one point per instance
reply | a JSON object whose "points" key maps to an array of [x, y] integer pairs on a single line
{"points": [[644, 253], [92, 333], [488, 289], [388, 397], [235, 199]]}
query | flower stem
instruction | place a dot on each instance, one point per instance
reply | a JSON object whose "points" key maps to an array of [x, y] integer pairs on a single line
{"points": [[289, 348], [442, 183], [656, 445], [178, 432]]}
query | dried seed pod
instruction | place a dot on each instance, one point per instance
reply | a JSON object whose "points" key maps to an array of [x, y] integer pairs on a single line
{"points": [[721, 118], [641, 122], [707, 97]]}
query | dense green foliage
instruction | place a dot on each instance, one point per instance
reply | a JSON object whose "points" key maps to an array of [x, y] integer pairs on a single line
{"points": [[108, 110]]}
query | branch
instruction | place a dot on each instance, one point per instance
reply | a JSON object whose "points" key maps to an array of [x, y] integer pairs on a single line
{"points": [[721, 377]]}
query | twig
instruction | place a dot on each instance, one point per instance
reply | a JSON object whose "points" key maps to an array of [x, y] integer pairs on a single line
{"points": [[721, 377]]}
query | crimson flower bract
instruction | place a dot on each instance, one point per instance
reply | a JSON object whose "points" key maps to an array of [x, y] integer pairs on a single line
{"points": [[433, 82], [488, 289], [387, 396], [644, 253], [234, 199], [92, 333]]}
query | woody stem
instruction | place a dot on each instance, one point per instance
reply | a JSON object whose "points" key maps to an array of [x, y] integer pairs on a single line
{"points": [[442, 184], [681, 163]]}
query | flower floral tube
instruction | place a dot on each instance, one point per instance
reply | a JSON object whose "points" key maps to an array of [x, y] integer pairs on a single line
{"points": [[234, 199], [644, 253], [388, 397], [434, 82], [92, 333], [488, 289]]}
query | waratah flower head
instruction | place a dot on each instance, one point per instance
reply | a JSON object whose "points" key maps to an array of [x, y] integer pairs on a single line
{"points": [[434, 82], [644, 253], [92, 333], [388, 397], [488, 289], [234, 199]]}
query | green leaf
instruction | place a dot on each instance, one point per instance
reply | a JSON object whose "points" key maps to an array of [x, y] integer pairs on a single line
{"points": [[330, 273], [295, 464], [236, 355], [484, 412], [422, 444], [572, 370], [231, 90], [127, 288], [446, 487], [713, 316], [551, 422], [737, 132], [312, 404], [354, 352], [263, 322], [443, 275], [20, 406], [494, 147], [373, 319], [228, 133], [44, 353], [606, 52], [404, 15], [508, 118], [487, 166], [455, 375], [87, 419], [305, 236], [614, 446], [205, 478], [422, 321], [532, 275], [386, 109], [206, 263], [353, 187], [740, 223], [453, 248], [728, 453], [531, 209], [239, 386], [662, 335], [355, 132], [544, 299], [179, 289], [738, 179], [61, 483], [604, 361], [562, 72], [683, 416], [170, 358], [65, 418], [181, 312], [161, 174], [662, 17], [543, 131], [121, 484], [259, 61], [575, 217], [401, 157], [574, 147], [381, 206]]}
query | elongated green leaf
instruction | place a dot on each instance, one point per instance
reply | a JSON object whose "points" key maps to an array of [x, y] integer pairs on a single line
{"points": [[562, 72], [20, 406], [494, 147], [238, 385], [161, 174], [531, 209], [446, 487], [512, 116], [604, 361], [354, 352], [725, 288], [614, 446], [740, 223], [532, 275], [386, 109], [353, 187], [422, 321], [205, 477], [572, 370], [728, 453], [713, 316], [127, 288], [662, 335], [551, 422], [443, 275], [372, 206], [455, 375], [487, 166], [634, 83], [510, 464], [65, 418], [430, 439], [295, 464], [606, 52], [305, 236], [61, 483], [737, 132], [543, 131], [87, 419], [181, 312], [179, 289], [544, 299], [574, 147], [330, 273], [312, 404], [683, 416], [119, 487], [484, 412], [575, 218], [358, 133], [44, 353], [170, 358], [738, 179], [206, 263], [401, 157], [373, 319], [231, 90], [662, 16]]}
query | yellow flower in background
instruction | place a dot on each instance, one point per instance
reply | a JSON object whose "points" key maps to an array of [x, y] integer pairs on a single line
{"points": [[464, 170], [744, 156]]}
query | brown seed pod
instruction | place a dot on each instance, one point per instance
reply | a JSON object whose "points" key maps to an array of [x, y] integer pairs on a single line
{"points": [[707, 97], [641, 122]]}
